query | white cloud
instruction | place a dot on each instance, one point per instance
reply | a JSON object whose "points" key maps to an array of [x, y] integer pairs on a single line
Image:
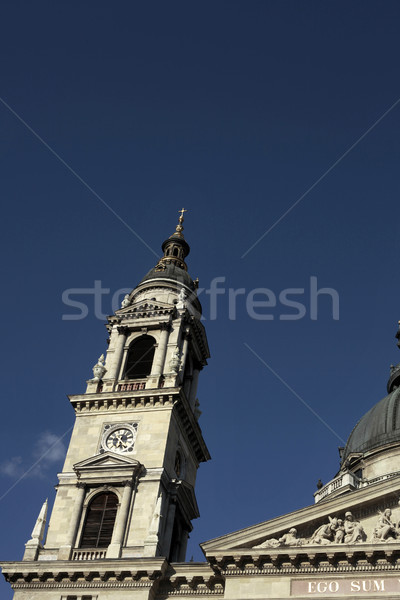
{"points": [[48, 449], [12, 467]]}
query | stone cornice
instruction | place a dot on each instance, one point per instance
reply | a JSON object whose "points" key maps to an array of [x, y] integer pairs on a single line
{"points": [[192, 429], [119, 573], [138, 399], [194, 579], [332, 559], [164, 398], [191, 579]]}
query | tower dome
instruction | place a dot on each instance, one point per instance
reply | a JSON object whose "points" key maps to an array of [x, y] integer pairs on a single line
{"points": [[372, 451], [172, 265], [377, 433], [380, 426]]}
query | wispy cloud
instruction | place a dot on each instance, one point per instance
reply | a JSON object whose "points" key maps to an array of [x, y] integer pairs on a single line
{"points": [[12, 467], [49, 448]]}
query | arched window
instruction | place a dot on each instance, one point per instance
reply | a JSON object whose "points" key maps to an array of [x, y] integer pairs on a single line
{"points": [[140, 358], [99, 522]]}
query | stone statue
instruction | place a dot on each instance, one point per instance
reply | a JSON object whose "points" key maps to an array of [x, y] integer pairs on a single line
{"points": [[181, 299], [385, 528], [288, 539], [125, 302], [325, 534], [340, 532], [99, 369], [353, 529], [175, 361], [155, 522]]}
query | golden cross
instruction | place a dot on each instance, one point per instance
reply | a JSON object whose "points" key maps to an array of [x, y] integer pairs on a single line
{"points": [[183, 210]]}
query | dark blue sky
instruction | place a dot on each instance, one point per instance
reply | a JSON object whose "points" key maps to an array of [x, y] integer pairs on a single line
{"points": [[233, 110]]}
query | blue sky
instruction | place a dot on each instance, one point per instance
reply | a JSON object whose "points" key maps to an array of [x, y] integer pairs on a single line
{"points": [[233, 110]]}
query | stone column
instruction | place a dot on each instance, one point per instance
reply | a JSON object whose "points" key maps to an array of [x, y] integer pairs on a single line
{"points": [[169, 527], [64, 552], [157, 367], [115, 365], [186, 338], [183, 545], [114, 549], [159, 357]]}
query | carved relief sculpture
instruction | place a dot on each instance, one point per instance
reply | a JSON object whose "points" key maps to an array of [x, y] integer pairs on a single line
{"points": [[175, 361], [385, 529], [354, 531], [288, 539], [325, 534]]}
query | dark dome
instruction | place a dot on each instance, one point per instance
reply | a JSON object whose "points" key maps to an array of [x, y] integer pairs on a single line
{"points": [[378, 427], [171, 271]]}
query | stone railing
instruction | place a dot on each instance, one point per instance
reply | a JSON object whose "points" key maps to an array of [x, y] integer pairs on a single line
{"points": [[138, 384], [89, 554], [345, 479]]}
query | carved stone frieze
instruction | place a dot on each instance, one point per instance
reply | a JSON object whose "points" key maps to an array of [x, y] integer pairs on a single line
{"points": [[340, 531]]}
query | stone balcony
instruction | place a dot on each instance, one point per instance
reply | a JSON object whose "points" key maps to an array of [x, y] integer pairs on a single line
{"points": [[339, 485], [89, 553]]}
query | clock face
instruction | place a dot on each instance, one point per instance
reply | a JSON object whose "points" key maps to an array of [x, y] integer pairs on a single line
{"points": [[120, 440]]}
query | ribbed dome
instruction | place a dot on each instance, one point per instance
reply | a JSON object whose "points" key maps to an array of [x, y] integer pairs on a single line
{"points": [[170, 271], [380, 426]]}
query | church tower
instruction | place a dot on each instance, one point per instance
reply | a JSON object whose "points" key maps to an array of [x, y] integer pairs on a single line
{"points": [[125, 497]]}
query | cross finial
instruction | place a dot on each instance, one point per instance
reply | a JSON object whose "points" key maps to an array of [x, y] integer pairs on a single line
{"points": [[182, 211]]}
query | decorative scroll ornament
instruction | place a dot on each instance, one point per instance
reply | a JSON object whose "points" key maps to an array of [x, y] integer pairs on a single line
{"points": [[99, 369]]}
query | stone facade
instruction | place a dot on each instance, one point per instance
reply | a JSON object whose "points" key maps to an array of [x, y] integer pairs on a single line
{"points": [[137, 440]]}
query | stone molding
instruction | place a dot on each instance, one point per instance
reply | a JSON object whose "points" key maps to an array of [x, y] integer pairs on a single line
{"points": [[84, 574], [171, 398], [188, 579], [329, 559]]}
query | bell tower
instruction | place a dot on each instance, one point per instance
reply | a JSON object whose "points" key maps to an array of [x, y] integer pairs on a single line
{"points": [[127, 488]]}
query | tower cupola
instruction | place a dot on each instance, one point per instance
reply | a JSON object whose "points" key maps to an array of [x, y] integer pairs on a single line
{"points": [[175, 247], [394, 379]]}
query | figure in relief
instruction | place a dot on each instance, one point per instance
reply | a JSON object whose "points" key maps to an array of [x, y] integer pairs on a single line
{"points": [[175, 361], [340, 532], [354, 531], [288, 539], [385, 528], [325, 534]]}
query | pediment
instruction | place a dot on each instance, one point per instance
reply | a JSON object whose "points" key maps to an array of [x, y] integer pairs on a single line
{"points": [[145, 308], [366, 506], [108, 461]]}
